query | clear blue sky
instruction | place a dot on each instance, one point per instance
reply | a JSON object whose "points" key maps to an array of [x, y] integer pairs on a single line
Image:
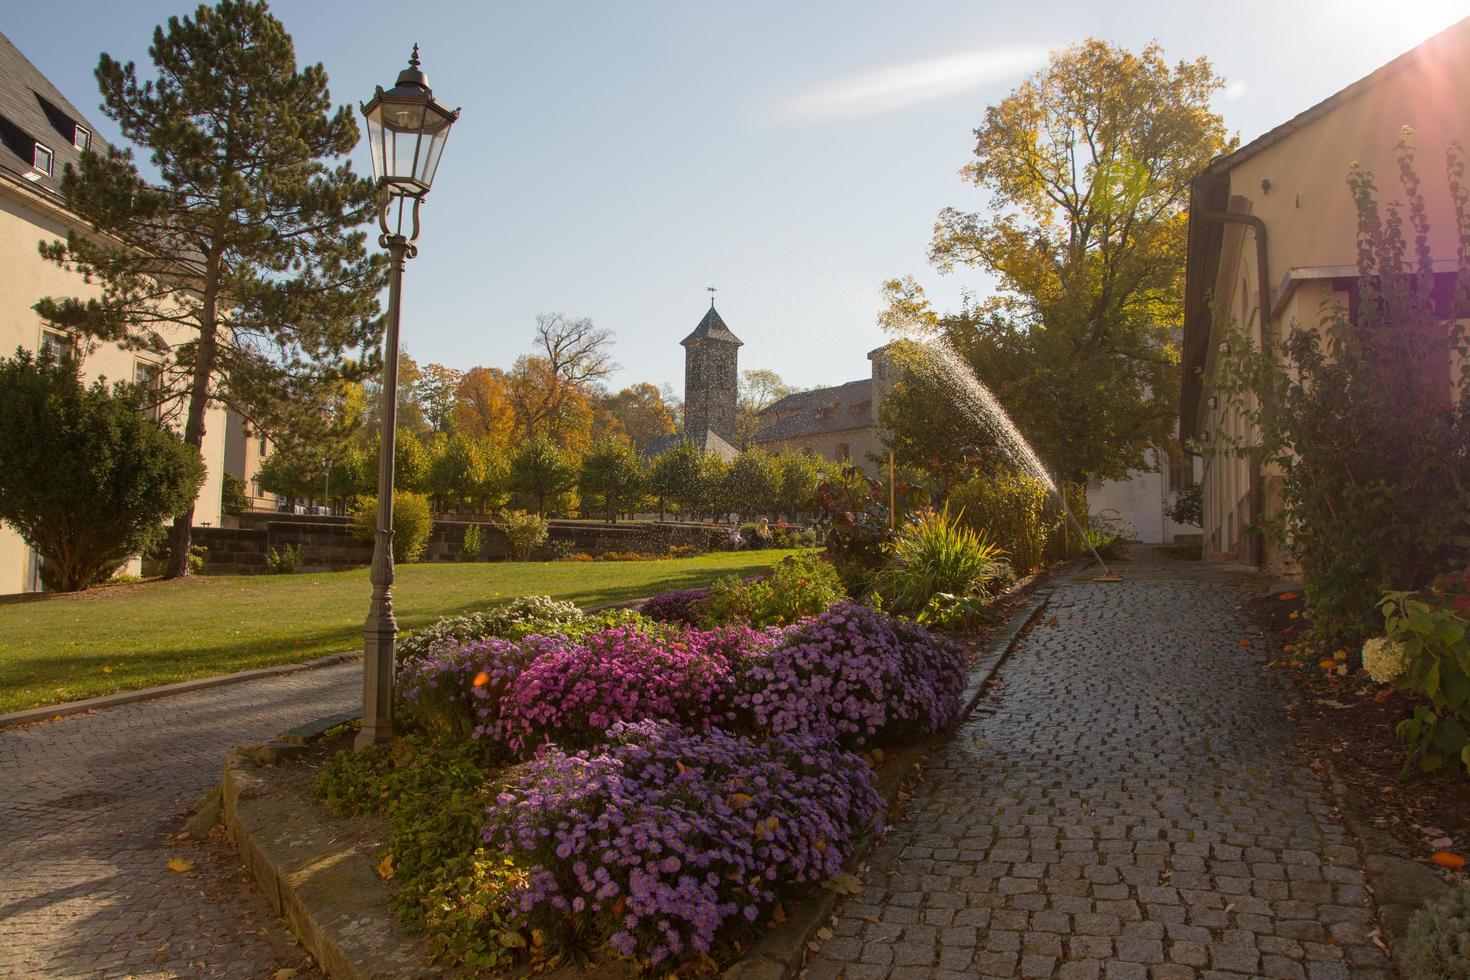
{"points": [[614, 159]]}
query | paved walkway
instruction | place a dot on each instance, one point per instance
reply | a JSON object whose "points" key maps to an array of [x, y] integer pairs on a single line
{"points": [[86, 804], [1130, 805]]}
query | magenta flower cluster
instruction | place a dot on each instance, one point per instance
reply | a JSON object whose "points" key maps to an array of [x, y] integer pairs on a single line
{"points": [[674, 607], [856, 677], [555, 689], [573, 694], [661, 837]]}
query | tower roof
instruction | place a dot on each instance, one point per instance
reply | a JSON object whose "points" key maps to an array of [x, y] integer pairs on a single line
{"points": [[712, 328]]}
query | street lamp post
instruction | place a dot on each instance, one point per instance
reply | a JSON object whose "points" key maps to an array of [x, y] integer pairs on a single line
{"points": [[407, 128]]}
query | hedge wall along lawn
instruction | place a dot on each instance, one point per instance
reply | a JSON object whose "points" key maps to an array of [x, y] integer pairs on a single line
{"points": [[67, 647]]}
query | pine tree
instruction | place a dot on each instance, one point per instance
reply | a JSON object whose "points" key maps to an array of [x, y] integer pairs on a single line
{"points": [[246, 265]]}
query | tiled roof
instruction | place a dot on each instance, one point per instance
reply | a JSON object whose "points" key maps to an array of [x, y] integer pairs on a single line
{"points": [[32, 111], [706, 440], [808, 413], [712, 328]]}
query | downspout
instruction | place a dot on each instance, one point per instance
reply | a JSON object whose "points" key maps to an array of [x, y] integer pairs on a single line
{"points": [[1256, 496]]}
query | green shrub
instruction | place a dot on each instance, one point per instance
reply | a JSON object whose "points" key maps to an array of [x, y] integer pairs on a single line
{"points": [[85, 479], [285, 560], [937, 553], [433, 794], [1363, 419], [1427, 655], [1109, 544], [799, 586], [1015, 511], [232, 495], [1437, 943], [526, 532], [473, 544], [412, 523]]}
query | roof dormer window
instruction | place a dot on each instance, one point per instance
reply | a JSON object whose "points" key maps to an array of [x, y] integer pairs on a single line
{"points": [[44, 160], [82, 139]]}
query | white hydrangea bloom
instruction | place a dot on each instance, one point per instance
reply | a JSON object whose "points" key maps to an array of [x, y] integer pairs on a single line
{"points": [[1384, 659]]}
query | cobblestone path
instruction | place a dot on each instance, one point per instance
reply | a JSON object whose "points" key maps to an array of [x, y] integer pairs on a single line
{"points": [[86, 804], [1131, 804]]}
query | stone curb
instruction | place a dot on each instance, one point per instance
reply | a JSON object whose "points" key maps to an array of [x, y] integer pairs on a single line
{"points": [[31, 715], [334, 902], [778, 955]]}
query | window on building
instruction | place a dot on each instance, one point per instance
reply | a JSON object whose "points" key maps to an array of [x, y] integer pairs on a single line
{"points": [[57, 344], [44, 160], [844, 451], [148, 376], [1181, 474], [263, 447], [82, 139]]}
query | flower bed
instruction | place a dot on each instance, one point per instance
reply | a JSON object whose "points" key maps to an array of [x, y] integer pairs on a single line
{"points": [[638, 788]]}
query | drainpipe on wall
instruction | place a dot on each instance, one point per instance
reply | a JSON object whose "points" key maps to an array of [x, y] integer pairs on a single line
{"points": [[1256, 496]]}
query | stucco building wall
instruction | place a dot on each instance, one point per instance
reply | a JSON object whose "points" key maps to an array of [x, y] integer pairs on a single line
{"points": [[1297, 185], [25, 219]]}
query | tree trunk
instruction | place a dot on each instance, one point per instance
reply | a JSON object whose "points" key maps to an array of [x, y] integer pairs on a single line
{"points": [[181, 535]]}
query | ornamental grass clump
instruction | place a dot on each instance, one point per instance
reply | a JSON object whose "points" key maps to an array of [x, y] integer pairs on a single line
{"points": [[856, 677], [573, 694], [937, 553], [666, 840]]}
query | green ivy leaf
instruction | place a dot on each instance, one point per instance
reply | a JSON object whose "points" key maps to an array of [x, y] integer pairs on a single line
{"points": [[1431, 762]]}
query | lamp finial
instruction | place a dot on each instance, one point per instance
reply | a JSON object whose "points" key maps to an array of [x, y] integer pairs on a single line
{"points": [[413, 59]]}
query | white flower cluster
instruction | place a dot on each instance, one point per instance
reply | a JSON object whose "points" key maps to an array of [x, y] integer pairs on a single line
{"points": [[1384, 659]]}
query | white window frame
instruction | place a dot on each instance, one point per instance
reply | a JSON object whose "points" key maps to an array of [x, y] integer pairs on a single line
{"points": [[150, 372], [82, 138], [50, 168], [62, 339]]}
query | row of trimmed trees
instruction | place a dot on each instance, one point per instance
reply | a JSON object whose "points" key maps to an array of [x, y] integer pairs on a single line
{"points": [[464, 473]]}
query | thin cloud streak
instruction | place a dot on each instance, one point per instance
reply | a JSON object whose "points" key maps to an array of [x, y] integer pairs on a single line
{"points": [[1236, 89], [888, 89]]}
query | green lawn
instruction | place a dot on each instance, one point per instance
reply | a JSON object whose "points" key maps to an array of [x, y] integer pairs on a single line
{"points": [[66, 647]]}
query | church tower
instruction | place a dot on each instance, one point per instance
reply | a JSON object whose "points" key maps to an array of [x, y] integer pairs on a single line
{"points": [[711, 378]]}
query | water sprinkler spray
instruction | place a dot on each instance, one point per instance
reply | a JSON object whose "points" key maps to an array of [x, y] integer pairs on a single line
{"points": [[978, 403]]}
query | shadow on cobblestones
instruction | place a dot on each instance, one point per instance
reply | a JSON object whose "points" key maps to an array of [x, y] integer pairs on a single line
{"points": [[1131, 805], [88, 805]]}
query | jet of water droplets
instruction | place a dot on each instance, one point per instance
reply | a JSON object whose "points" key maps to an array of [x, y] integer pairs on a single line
{"points": [[980, 407], [977, 403]]}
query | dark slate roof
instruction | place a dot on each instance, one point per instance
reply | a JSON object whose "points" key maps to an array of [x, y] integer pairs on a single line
{"points": [[712, 328], [32, 111], [808, 413], [706, 440]]}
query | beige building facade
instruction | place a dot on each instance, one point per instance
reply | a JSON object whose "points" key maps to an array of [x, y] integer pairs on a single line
{"points": [[42, 132], [1272, 246], [840, 423]]}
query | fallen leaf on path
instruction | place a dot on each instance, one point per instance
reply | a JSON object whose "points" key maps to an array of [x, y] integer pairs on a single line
{"points": [[180, 864], [1244, 644], [1440, 843], [843, 883], [385, 867], [1383, 695], [1287, 596], [1447, 860], [285, 973]]}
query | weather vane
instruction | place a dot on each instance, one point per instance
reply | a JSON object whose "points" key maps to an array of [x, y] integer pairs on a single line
{"points": [[711, 291]]}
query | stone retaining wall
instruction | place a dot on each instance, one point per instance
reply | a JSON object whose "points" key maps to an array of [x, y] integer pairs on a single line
{"points": [[327, 543]]}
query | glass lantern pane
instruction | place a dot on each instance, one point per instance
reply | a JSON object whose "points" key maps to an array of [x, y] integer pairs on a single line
{"points": [[434, 146], [375, 144], [404, 146]]}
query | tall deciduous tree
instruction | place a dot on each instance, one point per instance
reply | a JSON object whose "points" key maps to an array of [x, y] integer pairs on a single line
{"points": [[438, 391], [481, 406], [1087, 166], [759, 389], [571, 355], [246, 266], [641, 412], [542, 472]]}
